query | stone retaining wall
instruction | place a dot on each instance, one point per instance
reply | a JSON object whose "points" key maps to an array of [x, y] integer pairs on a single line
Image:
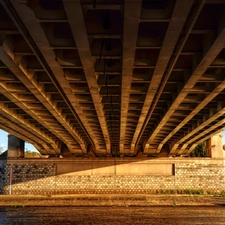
{"points": [[207, 177], [43, 178]]}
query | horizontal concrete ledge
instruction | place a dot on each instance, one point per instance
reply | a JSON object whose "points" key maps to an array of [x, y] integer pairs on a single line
{"points": [[99, 200], [120, 160]]}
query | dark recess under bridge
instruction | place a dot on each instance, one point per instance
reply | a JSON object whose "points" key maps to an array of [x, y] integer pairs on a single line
{"points": [[112, 78]]}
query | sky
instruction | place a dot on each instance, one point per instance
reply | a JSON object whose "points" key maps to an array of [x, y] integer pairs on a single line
{"points": [[4, 142], [28, 146]]}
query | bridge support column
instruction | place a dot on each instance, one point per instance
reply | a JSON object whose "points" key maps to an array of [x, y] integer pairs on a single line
{"points": [[15, 147], [215, 146]]}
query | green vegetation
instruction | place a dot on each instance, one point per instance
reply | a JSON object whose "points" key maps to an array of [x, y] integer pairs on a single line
{"points": [[30, 154], [27, 154], [209, 192], [174, 203], [199, 192], [183, 191], [199, 151], [167, 191], [222, 194], [190, 192]]}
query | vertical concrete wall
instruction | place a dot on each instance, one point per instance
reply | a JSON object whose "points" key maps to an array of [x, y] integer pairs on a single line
{"points": [[91, 176], [215, 146]]}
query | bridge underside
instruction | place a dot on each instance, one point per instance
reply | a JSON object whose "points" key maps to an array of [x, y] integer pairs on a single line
{"points": [[112, 78]]}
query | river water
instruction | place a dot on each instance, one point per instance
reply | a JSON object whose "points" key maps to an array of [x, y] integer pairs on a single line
{"points": [[112, 215]]}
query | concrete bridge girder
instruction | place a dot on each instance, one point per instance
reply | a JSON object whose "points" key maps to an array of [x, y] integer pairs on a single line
{"points": [[209, 58], [168, 45], [40, 38], [75, 17], [202, 126], [24, 75], [128, 78]]}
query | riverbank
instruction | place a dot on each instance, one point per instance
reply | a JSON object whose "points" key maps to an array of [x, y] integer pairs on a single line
{"points": [[110, 200]]}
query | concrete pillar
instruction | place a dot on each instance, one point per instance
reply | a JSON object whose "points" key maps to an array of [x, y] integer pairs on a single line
{"points": [[215, 146], [65, 151], [15, 147]]}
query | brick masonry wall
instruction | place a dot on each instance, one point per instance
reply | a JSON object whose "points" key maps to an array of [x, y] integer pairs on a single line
{"points": [[42, 179]]}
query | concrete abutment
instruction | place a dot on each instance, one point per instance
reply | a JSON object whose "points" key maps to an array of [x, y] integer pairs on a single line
{"points": [[112, 175], [60, 176], [214, 146]]}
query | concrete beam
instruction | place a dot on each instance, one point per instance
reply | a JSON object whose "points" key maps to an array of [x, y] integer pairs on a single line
{"points": [[11, 128], [18, 68], [47, 86], [176, 24], [132, 11], [51, 67], [190, 149], [206, 131], [220, 112], [205, 138], [41, 149], [22, 105], [14, 117], [22, 134], [198, 108], [77, 24], [182, 149], [206, 61]]}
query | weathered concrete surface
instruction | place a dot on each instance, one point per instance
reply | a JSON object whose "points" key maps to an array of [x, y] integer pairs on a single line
{"points": [[110, 200]]}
